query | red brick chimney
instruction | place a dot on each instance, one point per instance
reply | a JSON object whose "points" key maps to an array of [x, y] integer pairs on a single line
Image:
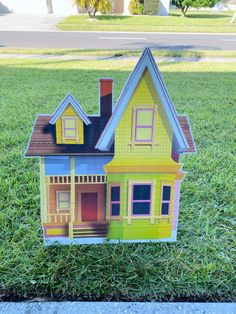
{"points": [[106, 97]]}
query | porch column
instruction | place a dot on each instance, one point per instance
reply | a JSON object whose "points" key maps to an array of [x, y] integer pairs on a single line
{"points": [[72, 196], [43, 191]]}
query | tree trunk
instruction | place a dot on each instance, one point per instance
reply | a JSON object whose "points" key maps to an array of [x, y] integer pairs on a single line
{"points": [[184, 10], [94, 13]]}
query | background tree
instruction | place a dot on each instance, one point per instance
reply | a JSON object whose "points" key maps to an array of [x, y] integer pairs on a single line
{"points": [[93, 6], [151, 7], [184, 5], [136, 6]]}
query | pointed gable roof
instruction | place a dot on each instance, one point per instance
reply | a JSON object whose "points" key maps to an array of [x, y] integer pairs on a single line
{"points": [[146, 61], [69, 99]]}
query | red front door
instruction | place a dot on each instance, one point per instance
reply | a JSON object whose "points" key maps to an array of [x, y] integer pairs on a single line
{"points": [[89, 206]]}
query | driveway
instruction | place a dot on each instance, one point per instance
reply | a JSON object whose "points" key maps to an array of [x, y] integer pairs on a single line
{"points": [[23, 22]]}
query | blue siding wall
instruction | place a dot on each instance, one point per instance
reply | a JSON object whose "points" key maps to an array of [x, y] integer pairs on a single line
{"points": [[55, 166], [91, 164]]}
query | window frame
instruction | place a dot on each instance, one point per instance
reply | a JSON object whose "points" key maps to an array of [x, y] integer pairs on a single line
{"points": [[141, 201], [64, 128], [170, 201], [112, 185], [136, 126], [58, 209]]}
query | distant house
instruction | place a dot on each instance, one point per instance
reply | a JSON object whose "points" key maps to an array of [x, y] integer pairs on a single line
{"points": [[65, 7], [231, 4], [122, 7]]}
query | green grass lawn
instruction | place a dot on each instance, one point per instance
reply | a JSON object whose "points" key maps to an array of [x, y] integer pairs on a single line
{"points": [[195, 21], [198, 267]]}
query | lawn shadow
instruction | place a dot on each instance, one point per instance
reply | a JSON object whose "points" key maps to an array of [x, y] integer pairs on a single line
{"points": [[206, 16], [171, 46], [105, 17]]}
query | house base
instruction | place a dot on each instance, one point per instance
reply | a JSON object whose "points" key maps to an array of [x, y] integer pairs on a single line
{"points": [[99, 240]]}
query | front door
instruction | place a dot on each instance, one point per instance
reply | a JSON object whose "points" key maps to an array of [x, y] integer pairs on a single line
{"points": [[89, 206]]}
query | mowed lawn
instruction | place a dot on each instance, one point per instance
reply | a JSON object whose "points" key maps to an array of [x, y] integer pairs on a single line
{"points": [[198, 267], [195, 21]]}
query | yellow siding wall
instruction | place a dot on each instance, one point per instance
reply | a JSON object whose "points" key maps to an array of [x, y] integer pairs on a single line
{"points": [[69, 111], [159, 153]]}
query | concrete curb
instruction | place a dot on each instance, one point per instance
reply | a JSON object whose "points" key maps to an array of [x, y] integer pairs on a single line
{"points": [[116, 307]]}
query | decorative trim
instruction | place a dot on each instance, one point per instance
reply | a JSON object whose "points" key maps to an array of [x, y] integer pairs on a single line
{"points": [[72, 194], [69, 99], [64, 138], [176, 204], [90, 179], [130, 215], [58, 209], [136, 126], [110, 216], [130, 169], [171, 202], [43, 191], [146, 61]]}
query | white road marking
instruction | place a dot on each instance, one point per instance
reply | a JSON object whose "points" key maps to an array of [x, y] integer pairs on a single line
{"points": [[123, 38], [228, 39]]}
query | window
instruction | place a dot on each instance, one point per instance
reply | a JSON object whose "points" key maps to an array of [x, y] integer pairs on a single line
{"points": [[69, 127], [115, 200], [141, 199], [165, 203], [144, 121], [63, 200]]}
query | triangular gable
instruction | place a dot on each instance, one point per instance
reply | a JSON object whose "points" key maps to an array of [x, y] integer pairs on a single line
{"points": [[146, 61], [69, 99]]}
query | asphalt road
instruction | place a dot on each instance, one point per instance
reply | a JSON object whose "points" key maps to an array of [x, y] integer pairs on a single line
{"points": [[115, 40]]}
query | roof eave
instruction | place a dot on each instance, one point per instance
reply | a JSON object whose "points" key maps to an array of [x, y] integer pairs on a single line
{"points": [[69, 99], [145, 61]]}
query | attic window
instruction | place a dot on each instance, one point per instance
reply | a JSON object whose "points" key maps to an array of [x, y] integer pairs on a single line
{"points": [[69, 128], [144, 121]]}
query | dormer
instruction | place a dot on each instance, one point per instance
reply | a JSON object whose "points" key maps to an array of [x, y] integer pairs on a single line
{"points": [[69, 119]]}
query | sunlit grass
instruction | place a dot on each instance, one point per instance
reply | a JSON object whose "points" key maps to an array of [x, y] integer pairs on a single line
{"points": [[195, 21], [199, 266]]}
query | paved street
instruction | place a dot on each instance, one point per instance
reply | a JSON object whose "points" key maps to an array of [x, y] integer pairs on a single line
{"points": [[116, 307], [115, 40]]}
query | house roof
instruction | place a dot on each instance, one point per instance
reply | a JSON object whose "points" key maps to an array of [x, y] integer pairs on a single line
{"points": [[146, 61], [43, 142], [69, 99], [43, 139], [185, 126]]}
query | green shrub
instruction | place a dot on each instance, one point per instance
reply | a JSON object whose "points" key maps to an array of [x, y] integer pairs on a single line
{"points": [[136, 7], [150, 7]]}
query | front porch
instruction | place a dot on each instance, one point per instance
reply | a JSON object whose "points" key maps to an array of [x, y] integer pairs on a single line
{"points": [[75, 206]]}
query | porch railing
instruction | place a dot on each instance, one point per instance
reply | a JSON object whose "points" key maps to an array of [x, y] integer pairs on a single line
{"points": [[59, 218]]}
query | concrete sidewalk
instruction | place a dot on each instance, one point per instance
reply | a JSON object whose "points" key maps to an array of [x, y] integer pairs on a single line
{"points": [[24, 22], [116, 307]]}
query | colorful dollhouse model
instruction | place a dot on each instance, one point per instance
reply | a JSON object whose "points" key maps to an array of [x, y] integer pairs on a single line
{"points": [[113, 176]]}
